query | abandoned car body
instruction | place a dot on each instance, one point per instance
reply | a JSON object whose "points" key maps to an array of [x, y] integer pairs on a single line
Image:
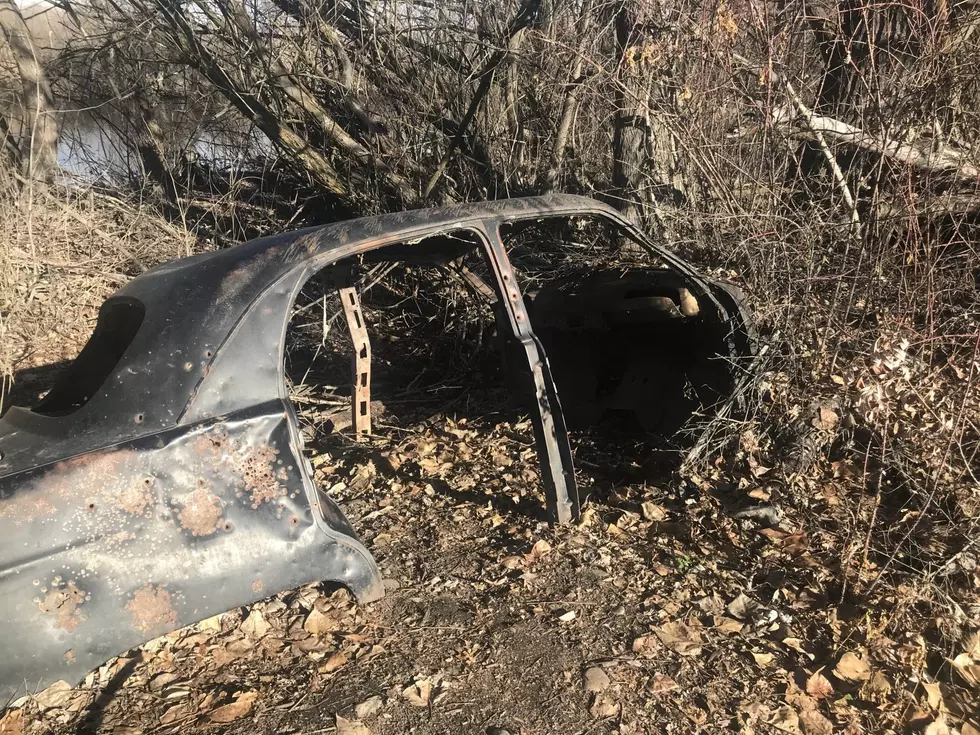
{"points": [[162, 480]]}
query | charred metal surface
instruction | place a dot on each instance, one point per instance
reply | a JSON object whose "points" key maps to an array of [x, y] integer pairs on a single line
{"points": [[554, 451], [162, 480], [105, 550]]}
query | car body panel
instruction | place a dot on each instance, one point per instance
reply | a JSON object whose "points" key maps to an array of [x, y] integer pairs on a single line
{"points": [[177, 489]]}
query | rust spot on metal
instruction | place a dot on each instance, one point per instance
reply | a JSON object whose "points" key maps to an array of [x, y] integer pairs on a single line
{"points": [[136, 498], [213, 444], [28, 510], [201, 513], [253, 468], [257, 585], [117, 540], [81, 481], [258, 469], [63, 601], [151, 609]]}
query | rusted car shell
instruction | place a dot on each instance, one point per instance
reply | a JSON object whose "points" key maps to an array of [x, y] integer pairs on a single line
{"points": [[178, 488]]}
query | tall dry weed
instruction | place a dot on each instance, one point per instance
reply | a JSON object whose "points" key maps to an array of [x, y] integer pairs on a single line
{"points": [[63, 250]]}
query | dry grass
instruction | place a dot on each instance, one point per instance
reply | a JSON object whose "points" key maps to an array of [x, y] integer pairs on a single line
{"points": [[63, 251]]}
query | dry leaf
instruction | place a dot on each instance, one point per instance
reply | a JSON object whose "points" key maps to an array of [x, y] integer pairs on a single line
{"points": [[938, 727], [818, 686], [568, 617], [12, 723], [234, 710], [661, 683], [419, 693], [763, 659], [680, 638], [255, 625], [727, 626], [351, 727], [796, 543], [852, 668], [934, 696], [786, 720], [318, 623], [742, 607], [368, 707], [653, 512], [58, 694], [968, 669], [814, 723], [826, 419], [213, 624], [158, 682], [175, 691], [596, 680], [971, 645], [877, 688], [604, 707], [540, 549], [333, 663], [797, 645], [689, 305], [712, 605], [916, 719], [646, 646], [176, 713]]}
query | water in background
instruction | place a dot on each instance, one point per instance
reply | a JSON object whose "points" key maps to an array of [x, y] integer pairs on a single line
{"points": [[93, 148]]}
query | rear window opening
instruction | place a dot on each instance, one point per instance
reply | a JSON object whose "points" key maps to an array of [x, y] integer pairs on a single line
{"points": [[119, 321], [636, 348]]}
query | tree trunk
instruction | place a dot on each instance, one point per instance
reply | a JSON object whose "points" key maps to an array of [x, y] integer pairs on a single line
{"points": [[629, 132], [570, 104], [39, 129], [153, 151], [511, 45]]}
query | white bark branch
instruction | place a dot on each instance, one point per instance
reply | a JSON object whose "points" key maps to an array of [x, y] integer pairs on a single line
{"points": [[949, 161], [946, 160]]}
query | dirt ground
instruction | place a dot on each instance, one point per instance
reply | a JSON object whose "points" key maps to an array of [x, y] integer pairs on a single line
{"points": [[660, 612]]}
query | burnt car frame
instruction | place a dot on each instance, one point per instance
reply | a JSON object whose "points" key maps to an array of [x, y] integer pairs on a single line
{"points": [[162, 479]]}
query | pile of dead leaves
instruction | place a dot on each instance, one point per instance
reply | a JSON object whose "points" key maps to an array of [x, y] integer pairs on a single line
{"points": [[662, 609]]}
